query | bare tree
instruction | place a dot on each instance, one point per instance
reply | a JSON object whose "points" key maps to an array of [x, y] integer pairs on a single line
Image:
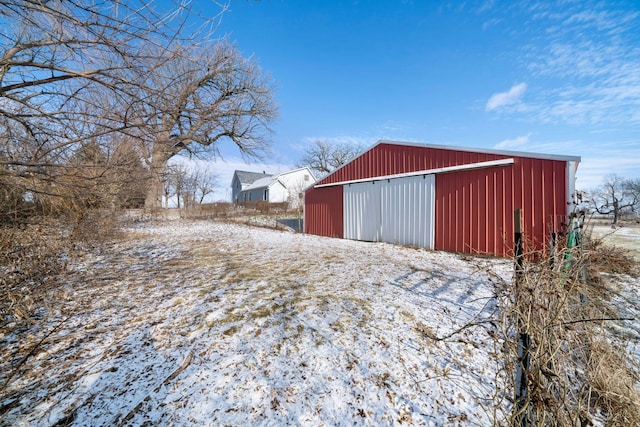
{"points": [[616, 196], [72, 72], [204, 182], [176, 183], [63, 68], [198, 97], [325, 157]]}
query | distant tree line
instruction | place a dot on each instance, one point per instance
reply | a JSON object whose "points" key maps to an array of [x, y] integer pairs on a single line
{"points": [[188, 185]]}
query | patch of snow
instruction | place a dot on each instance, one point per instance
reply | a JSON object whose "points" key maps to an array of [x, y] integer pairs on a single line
{"points": [[211, 323]]}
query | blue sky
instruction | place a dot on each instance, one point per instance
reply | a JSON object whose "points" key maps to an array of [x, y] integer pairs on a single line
{"points": [[542, 76]]}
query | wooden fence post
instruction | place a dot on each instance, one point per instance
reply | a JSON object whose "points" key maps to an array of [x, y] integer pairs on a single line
{"points": [[521, 408]]}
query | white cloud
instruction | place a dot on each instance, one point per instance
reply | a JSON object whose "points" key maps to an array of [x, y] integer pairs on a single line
{"points": [[613, 22], [486, 6], [502, 99], [592, 170], [515, 142], [491, 23], [586, 64], [390, 126]]}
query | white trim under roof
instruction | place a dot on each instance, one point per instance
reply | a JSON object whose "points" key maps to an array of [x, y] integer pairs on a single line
{"points": [[478, 165]]}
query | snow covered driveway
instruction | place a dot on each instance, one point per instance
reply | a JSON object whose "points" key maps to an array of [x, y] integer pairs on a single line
{"points": [[209, 323]]}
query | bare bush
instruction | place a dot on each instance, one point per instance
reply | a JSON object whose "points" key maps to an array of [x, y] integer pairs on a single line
{"points": [[577, 367], [266, 207], [612, 383], [610, 259], [34, 256], [30, 260], [212, 210]]}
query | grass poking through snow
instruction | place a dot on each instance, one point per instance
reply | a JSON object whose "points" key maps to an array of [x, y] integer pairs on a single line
{"points": [[207, 323]]}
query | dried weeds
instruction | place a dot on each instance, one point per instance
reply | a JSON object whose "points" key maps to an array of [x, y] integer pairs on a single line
{"points": [[30, 259], [610, 259], [579, 370]]}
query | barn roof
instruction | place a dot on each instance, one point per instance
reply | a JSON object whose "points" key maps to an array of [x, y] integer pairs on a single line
{"points": [[530, 155], [331, 180]]}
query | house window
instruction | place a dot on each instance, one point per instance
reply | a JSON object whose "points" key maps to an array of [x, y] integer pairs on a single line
{"points": [[306, 177], [266, 197]]}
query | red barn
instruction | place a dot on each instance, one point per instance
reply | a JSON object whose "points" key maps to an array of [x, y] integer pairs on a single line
{"points": [[445, 198]]}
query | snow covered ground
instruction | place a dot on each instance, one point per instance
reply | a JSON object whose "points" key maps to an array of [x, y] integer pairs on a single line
{"points": [[627, 237], [210, 323]]}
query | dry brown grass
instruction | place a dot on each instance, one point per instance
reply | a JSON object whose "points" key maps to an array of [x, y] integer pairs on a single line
{"points": [[611, 259], [612, 384], [30, 258], [33, 258], [266, 207], [210, 210], [578, 368]]}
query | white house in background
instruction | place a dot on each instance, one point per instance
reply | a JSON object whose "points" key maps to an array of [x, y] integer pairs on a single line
{"points": [[283, 187], [241, 180]]}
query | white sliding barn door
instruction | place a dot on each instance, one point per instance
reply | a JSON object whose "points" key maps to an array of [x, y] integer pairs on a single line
{"points": [[408, 210], [362, 211], [398, 210]]}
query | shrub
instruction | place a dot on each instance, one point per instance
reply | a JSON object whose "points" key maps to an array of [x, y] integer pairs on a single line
{"points": [[30, 259], [576, 363]]}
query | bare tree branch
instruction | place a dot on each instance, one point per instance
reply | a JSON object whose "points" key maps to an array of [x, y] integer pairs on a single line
{"points": [[325, 157], [616, 196], [78, 72]]}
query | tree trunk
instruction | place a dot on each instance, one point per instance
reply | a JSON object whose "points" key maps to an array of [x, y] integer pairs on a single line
{"points": [[153, 198], [159, 159]]}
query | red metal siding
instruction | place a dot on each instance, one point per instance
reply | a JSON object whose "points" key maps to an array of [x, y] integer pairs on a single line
{"points": [[390, 159], [474, 208], [474, 211], [323, 209], [542, 196]]}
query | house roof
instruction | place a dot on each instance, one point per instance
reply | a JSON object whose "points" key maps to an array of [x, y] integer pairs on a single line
{"points": [[268, 180], [261, 183], [250, 177]]}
